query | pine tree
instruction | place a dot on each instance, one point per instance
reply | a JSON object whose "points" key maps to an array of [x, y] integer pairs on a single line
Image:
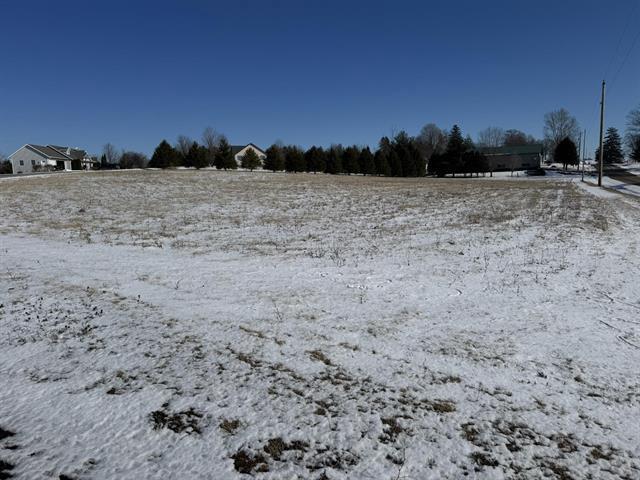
{"points": [[367, 162], [456, 144], [334, 159], [418, 160], [191, 157], [566, 153], [635, 149], [382, 163], [294, 160], [452, 158], [612, 147], [224, 157], [275, 159], [5, 167], [250, 160], [179, 160], [315, 159], [404, 146], [202, 157], [350, 158], [474, 162], [468, 143], [395, 165], [164, 156]]}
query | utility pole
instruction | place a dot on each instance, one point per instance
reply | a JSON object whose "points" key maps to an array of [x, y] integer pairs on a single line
{"points": [[579, 150], [601, 136], [584, 151]]}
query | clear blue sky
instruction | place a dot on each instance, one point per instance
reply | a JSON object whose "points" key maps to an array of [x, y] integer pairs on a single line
{"points": [[306, 72]]}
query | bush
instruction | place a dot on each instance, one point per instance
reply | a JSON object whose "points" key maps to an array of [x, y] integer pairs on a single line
{"points": [[6, 167]]}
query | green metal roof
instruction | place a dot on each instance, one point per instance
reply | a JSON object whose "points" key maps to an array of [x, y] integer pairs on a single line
{"points": [[516, 150]]}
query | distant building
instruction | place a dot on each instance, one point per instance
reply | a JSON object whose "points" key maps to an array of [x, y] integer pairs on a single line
{"points": [[522, 157], [30, 158], [238, 151]]}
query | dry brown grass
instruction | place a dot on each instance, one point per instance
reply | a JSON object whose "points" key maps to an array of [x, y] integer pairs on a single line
{"points": [[265, 213]]}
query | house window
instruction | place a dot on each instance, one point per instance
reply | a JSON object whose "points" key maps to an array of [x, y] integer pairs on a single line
{"points": [[22, 163], [33, 163]]}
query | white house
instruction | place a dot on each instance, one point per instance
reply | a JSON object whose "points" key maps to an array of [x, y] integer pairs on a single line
{"points": [[238, 151], [30, 158]]}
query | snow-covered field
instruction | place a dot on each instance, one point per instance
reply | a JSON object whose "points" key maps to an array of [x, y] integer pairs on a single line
{"points": [[214, 325]]}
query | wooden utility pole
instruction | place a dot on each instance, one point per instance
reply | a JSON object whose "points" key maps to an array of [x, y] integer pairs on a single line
{"points": [[601, 137], [579, 150], [584, 151]]}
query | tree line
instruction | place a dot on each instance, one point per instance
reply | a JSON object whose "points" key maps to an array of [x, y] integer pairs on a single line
{"points": [[434, 151]]}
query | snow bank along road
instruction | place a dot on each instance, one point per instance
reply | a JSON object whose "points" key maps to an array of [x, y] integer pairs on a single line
{"points": [[215, 325]]}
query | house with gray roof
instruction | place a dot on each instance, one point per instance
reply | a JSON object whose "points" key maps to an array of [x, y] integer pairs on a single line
{"points": [[31, 158], [239, 151]]}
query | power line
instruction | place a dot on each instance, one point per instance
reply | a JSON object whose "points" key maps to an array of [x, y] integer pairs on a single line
{"points": [[624, 31], [633, 44]]}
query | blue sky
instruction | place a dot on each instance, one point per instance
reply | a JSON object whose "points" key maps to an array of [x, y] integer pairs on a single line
{"points": [[306, 72]]}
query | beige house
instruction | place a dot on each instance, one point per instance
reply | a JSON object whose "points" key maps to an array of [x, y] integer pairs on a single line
{"points": [[32, 158], [238, 151]]}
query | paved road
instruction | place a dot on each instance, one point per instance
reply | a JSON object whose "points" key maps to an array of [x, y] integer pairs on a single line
{"points": [[622, 175]]}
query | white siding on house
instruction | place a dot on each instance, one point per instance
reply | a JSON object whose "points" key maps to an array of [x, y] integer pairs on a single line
{"points": [[241, 153], [25, 159]]}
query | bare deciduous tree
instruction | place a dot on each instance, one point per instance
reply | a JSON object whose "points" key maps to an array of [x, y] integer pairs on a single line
{"points": [[183, 144], [211, 140], [111, 154], [491, 137], [632, 135], [431, 139], [558, 125]]}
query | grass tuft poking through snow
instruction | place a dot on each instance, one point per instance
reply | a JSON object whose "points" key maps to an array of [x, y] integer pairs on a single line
{"points": [[211, 324]]}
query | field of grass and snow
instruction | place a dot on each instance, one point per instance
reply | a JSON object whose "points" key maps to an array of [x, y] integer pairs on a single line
{"points": [[214, 325]]}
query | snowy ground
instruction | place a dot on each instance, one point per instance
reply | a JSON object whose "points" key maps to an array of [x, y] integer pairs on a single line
{"points": [[226, 325]]}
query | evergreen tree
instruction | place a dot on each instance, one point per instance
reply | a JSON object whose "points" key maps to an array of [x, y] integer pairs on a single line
{"points": [[294, 160], [395, 165], [367, 162], [468, 143], [456, 146], [434, 165], [404, 148], [418, 160], [632, 135], [275, 159], [191, 156], [474, 162], [164, 156], [224, 157], [250, 160], [201, 159], [566, 153], [315, 159], [5, 167], [382, 163], [334, 159], [408, 167], [612, 147], [179, 160], [635, 149], [350, 159]]}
